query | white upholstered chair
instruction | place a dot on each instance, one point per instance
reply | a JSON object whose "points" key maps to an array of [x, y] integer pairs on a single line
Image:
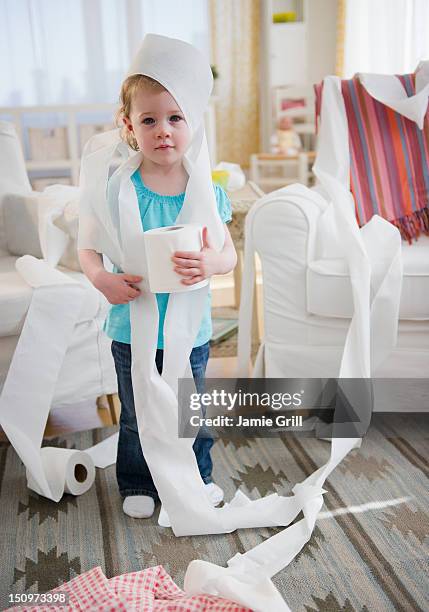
{"points": [[308, 301]]}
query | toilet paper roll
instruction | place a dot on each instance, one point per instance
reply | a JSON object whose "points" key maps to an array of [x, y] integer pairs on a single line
{"points": [[160, 244], [67, 470]]}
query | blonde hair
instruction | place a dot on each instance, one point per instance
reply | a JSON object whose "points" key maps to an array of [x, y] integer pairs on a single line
{"points": [[130, 86]]}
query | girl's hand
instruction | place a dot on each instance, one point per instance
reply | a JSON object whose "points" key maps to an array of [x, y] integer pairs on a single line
{"points": [[195, 266], [117, 288]]}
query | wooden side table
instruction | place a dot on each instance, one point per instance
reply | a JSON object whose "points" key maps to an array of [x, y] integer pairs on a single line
{"points": [[242, 200], [300, 165]]}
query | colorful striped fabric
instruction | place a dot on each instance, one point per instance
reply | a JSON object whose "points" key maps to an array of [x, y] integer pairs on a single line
{"points": [[389, 159]]}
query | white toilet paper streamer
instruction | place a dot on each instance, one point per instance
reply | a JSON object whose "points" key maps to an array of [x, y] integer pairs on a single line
{"points": [[30, 384], [24, 409], [160, 245], [247, 579], [376, 291], [172, 461], [388, 89], [104, 453]]}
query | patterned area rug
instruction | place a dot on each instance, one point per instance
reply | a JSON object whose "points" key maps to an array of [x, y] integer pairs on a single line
{"points": [[368, 551]]}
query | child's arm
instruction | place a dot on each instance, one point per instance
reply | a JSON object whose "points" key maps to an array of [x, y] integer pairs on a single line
{"points": [[196, 266], [117, 288]]}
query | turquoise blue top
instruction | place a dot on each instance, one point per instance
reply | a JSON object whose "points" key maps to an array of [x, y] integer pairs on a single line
{"points": [[159, 211]]}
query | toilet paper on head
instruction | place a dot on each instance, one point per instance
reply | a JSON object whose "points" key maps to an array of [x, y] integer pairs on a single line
{"points": [[67, 470], [160, 244]]}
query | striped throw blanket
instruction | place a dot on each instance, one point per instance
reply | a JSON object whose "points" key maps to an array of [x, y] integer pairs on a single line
{"points": [[389, 159]]}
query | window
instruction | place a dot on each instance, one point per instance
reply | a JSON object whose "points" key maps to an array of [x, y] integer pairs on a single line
{"points": [[78, 51]]}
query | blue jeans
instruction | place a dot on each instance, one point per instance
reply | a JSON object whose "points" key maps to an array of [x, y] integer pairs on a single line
{"points": [[132, 471]]}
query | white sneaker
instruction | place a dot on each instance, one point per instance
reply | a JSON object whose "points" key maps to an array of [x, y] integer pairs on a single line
{"points": [[216, 496], [138, 506]]}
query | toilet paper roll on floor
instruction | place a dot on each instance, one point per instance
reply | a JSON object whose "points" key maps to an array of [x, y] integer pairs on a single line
{"points": [[67, 470], [24, 408], [160, 244]]}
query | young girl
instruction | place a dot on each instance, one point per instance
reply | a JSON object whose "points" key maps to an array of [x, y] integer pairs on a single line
{"points": [[156, 126]]}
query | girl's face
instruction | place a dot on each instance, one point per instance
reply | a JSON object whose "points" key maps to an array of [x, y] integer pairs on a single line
{"points": [[159, 127]]}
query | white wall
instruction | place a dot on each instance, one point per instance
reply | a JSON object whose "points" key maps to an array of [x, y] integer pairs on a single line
{"points": [[321, 38]]}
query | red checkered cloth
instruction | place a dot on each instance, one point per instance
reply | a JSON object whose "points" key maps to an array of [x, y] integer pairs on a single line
{"points": [[149, 590]]}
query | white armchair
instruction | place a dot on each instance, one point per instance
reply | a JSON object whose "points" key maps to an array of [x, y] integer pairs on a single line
{"points": [[88, 370], [320, 271], [307, 297]]}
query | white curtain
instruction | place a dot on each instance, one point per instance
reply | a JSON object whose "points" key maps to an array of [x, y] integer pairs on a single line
{"points": [[77, 51], [385, 36]]}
